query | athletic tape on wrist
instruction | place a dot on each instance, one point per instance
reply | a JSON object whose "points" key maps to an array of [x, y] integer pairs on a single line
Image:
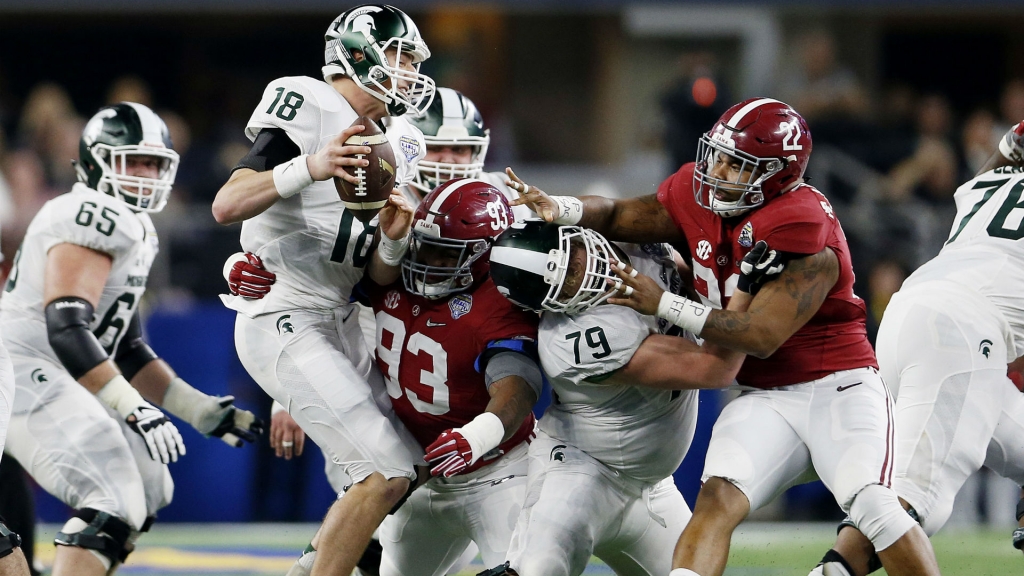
{"points": [[184, 401], [483, 433], [292, 177], [392, 251], [1010, 148], [570, 210], [119, 395], [683, 312]]}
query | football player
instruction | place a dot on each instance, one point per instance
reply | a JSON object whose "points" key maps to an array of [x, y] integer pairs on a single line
{"points": [[943, 347], [600, 478], [460, 365], [12, 558], [457, 142], [86, 423], [819, 404], [302, 342]]}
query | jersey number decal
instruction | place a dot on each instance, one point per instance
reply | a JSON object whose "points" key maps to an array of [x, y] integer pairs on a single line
{"points": [[112, 319], [287, 110], [494, 210], [591, 334], [436, 379], [85, 217], [361, 251], [791, 141], [1008, 221]]}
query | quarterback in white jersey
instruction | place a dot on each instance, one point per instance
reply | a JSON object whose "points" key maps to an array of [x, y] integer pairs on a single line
{"points": [[943, 349], [302, 343], [621, 419], [69, 317]]}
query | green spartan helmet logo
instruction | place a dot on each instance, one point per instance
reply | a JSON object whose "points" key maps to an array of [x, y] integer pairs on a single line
{"points": [[985, 347], [283, 325]]}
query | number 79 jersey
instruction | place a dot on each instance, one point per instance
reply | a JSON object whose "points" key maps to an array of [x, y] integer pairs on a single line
{"points": [[94, 220], [985, 249], [317, 248]]}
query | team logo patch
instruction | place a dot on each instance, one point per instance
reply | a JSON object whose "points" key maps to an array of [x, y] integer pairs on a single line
{"points": [[410, 147], [416, 310], [283, 325], [460, 305], [38, 376], [557, 453], [703, 249], [746, 238], [985, 347], [722, 260], [391, 300]]}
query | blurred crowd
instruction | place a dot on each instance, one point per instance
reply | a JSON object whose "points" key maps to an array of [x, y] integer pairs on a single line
{"points": [[890, 160]]}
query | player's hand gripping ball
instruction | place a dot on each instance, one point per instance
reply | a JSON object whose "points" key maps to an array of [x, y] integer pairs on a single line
{"points": [[374, 182]]}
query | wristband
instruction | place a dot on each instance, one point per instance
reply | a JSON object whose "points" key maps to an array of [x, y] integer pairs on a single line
{"points": [[483, 434], [119, 395], [185, 402], [292, 177], [391, 251], [683, 312], [570, 210]]}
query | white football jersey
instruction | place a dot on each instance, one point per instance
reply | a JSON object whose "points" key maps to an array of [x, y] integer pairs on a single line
{"points": [[985, 249], [641, 432], [87, 218], [496, 179], [316, 247]]}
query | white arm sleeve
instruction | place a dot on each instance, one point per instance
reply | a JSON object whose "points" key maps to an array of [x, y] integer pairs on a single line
{"points": [[592, 344]]}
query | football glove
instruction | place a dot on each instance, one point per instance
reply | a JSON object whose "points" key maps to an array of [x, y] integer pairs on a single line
{"points": [[247, 277], [1012, 144], [449, 454], [162, 438], [212, 415], [760, 265]]}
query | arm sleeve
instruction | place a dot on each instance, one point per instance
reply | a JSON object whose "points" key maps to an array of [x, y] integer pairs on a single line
{"points": [[509, 363], [272, 148], [590, 345], [67, 329], [133, 353]]}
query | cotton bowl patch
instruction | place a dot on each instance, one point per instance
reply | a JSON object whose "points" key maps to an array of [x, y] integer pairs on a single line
{"points": [[460, 305], [746, 238], [410, 147]]}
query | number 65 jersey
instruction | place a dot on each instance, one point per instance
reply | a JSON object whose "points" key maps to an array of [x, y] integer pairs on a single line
{"points": [[94, 220], [985, 250], [641, 432]]}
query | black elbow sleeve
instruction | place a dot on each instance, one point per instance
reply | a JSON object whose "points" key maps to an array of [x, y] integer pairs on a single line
{"points": [[67, 327], [133, 353]]}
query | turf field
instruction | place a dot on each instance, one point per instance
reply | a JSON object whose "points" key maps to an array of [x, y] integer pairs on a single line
{"points": [[759, 549]]}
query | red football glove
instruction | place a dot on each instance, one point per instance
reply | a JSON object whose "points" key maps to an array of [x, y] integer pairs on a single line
{"points": [[249, 278], [449, 454]]}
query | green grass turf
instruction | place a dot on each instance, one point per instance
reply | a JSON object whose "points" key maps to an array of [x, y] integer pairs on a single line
{"points": [[758, 549]]}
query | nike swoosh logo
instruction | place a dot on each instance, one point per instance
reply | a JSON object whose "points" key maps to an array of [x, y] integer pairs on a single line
{"points": [[432, 324], [841, 388], [347, 316], [502, 480]]}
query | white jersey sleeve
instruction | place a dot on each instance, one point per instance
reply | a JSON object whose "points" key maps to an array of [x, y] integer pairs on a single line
{"points": [[591, 345], [290, 104], [94, 221]]}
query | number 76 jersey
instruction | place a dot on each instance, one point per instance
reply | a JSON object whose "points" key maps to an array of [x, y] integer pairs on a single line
{"points": [[88, 218], [985, 249]]}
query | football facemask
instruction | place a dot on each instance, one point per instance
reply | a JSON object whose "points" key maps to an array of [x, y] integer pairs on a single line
{"points": [[451, 120], [436, 267]]}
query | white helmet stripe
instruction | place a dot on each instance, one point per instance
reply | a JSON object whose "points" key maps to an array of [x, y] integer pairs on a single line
{"points": [[451, 107], [152, 126], [439, 201], [528, 260], [747, 109]]}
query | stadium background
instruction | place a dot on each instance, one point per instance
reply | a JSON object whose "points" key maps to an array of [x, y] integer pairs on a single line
{"points": [[905, 99]]}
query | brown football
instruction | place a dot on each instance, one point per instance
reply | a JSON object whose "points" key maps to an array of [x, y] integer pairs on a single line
{"points": [[376, 180]]}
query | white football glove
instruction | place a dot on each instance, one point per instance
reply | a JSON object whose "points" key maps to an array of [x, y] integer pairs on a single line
{"points": [[162, 438]]}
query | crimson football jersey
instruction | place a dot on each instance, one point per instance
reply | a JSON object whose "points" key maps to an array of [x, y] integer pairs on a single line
{"points": [[427, 351], [800, 221]]}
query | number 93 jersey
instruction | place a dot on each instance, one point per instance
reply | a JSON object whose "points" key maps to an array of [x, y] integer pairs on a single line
{"points": [[985, 250], [317, 248], [641, 432], [94, 220]]}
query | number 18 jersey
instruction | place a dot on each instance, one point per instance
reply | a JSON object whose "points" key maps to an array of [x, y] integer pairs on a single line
{"points": [[985, 250], [94, 220]]}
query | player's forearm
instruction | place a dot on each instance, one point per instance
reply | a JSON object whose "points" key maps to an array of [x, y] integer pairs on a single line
{"points": [[743, 332], [511, 401], [996, 160], [641, 219], [152, 381], [95, 379], [381, 273], [246, 194], [675, 363]]}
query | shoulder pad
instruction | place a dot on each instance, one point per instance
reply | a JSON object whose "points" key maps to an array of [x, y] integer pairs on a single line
{"points": [[596, 342], [93, 220], [295, 104]]}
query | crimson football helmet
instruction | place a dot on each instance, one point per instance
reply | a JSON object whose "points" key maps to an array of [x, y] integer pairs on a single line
{"points": [[452, 234], [769, 139]]}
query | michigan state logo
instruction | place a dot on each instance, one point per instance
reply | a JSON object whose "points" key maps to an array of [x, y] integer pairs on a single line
{"points": [[38, 376], [985, 347], [283, 325], [557, 453]]}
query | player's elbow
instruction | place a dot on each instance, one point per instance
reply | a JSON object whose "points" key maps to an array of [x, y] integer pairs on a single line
{"points": [[224, 210], [764, 347]]}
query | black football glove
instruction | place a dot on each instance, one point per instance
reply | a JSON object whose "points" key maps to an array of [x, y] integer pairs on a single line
{"points": [[760, 265]]}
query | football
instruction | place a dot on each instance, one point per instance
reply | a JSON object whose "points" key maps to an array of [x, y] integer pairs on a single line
{"points": [[376, 181]]}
